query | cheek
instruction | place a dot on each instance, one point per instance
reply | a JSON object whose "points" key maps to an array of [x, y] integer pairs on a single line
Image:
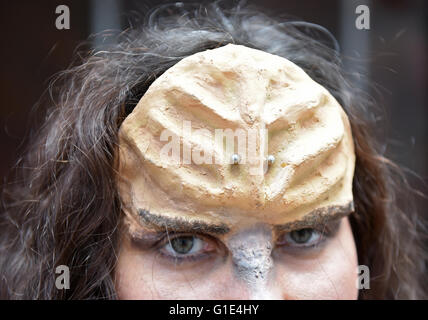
{"points": [[330, 275], [131, 282]]}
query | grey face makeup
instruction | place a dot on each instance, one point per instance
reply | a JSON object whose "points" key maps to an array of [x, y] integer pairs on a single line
{"points": [[251, 251]]}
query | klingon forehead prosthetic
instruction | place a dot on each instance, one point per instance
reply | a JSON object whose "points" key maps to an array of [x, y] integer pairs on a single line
{"points": [[233, 136]]}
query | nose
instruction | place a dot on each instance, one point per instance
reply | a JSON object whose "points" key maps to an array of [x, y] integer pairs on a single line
{"points": [[252, 262]]}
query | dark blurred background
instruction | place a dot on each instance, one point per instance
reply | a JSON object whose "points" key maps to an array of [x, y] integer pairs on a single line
{"points": [[392, 54]]}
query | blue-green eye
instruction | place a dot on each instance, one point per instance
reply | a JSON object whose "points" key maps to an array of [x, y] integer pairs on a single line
{"points": [[306, 237], [184, 246]]}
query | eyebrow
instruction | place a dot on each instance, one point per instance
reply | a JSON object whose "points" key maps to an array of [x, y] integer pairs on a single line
{"points": [[318, 216], [181, 224]]}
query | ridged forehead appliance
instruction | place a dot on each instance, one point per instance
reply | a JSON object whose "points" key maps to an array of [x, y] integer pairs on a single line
{"points": [[308, 146]]}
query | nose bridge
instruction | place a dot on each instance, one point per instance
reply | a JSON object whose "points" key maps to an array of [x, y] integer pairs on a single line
{"points": [[251, 251]]}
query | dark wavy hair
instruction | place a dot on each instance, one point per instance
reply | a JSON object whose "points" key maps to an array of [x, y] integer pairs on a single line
{"points": [[62, 207]]}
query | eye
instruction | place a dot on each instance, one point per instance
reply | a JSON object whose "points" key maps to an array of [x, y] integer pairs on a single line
{"points": [[187, 247], [306, 237], [184, 245]]}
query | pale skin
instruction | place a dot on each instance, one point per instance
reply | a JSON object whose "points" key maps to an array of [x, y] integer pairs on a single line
{"points": [[311, 264]]}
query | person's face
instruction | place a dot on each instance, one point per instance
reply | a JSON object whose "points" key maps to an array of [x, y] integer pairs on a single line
{"points": [[248, 230], [312, 263]]}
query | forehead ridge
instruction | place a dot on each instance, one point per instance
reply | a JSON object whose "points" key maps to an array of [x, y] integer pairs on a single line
{"points": [[237, 87]]}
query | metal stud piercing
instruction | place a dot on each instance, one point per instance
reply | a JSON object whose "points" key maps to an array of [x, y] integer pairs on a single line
{"points": [[235, 158], [270, 159]]}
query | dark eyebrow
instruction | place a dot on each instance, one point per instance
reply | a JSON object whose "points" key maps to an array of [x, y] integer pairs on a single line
{"points": [[318, 216], [180, 224]]}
